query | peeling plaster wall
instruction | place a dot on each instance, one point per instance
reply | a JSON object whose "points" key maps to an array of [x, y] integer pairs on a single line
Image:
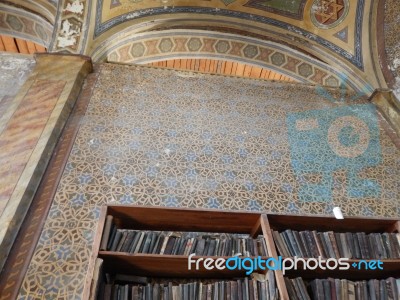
{"points": [[392, 40], [14, 70]]}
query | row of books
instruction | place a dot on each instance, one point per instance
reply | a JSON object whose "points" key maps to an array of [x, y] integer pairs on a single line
{"points": [[337, 245], [255, 288], [342, 289], [180, 243], [297, 289]]}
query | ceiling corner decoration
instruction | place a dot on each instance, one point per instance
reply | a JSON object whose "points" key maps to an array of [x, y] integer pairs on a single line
{"points": [[343, 34], [288, 8]]}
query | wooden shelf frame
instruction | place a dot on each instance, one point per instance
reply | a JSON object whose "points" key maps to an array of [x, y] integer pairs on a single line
{"points": [[209, 220]]}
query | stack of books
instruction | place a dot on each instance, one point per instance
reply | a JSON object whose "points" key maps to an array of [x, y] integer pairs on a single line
{"points": [[126, 287], [332, 289], [360, 245], [180, 243]]}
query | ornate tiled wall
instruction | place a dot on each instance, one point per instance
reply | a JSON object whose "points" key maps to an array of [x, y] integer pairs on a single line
{"points": [[170, 138], [392, 40]]}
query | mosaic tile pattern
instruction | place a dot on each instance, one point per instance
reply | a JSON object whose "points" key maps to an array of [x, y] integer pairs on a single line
{"points": [[169, 138]]}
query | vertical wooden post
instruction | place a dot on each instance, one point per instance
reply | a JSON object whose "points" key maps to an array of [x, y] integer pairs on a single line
{"points": [[267, 231]]}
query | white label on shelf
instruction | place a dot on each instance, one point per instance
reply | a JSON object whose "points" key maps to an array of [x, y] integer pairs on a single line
{"points": [[338, 213]]}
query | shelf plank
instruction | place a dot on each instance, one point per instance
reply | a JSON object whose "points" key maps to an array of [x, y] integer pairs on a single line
{"points": [[163, 266], [158, 218], [320, 223], [391, 268]]}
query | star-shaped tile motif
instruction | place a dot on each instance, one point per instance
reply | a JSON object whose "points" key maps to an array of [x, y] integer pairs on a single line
{"points": [[329, 11], [335, 9]]}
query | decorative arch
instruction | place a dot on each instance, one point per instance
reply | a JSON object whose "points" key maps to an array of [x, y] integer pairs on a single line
{"points": [[21, 23], [173, 44]]}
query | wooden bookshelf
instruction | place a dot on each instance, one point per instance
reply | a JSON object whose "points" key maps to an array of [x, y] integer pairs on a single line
{"points": [[253, 223], [321, 223], [282, 222]]}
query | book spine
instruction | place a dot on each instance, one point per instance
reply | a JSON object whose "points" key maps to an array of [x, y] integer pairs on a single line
{"points": [[106, 233], [321, 251]]}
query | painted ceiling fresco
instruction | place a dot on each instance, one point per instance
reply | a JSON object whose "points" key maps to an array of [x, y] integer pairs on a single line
{"points": [[339, 33], [336, 32], [287, 7], [300, 16]]}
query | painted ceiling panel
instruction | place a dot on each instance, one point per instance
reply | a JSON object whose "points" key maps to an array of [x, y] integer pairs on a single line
{"points": [[291, 8], [321, 17], [340, 33]]}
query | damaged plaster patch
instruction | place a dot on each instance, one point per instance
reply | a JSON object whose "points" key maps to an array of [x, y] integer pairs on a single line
{"points": [[68, 34], [75, 7], [14, 70]]}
